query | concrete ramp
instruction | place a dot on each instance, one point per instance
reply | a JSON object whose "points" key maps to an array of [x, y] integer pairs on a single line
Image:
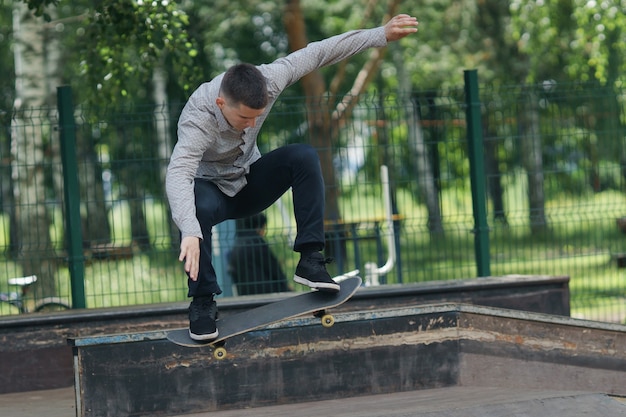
{"points": [[34, 354], [365, 353], [449, 402]]}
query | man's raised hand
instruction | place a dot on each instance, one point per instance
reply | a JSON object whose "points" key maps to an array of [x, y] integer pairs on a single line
{"points": [[400, 26]]}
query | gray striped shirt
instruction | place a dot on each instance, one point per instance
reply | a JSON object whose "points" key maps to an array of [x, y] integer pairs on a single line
{"points": [[208, 147]]}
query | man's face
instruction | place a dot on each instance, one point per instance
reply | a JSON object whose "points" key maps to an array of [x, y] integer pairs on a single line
{"points": [[238, 116]]}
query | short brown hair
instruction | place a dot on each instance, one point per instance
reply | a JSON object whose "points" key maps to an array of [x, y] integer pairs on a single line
{"points": [[244, 84]]}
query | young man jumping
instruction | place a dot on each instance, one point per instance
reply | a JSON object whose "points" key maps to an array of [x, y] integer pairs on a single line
{"points": [[216, 171]]}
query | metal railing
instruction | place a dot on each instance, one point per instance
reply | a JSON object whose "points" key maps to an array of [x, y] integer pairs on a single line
{"points": [[540, 192]]}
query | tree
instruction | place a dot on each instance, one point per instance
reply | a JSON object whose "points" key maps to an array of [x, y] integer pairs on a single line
{"points": [[32, 93], [7, 96], [578, 41], [156, 29], [325, 117], [132, 44]]}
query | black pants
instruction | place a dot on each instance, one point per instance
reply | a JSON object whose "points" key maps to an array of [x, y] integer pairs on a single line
{"points": [[296, 166]]}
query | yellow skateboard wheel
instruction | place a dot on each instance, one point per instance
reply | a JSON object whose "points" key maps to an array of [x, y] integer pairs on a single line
{"points": [[219, 353], [328, 320]]}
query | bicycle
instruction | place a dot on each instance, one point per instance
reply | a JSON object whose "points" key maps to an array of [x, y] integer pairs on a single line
{"points": [[17, 298]]}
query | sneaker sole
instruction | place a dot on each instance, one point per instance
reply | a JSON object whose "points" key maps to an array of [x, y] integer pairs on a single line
{"points": [[322, 286], [204, 337]]}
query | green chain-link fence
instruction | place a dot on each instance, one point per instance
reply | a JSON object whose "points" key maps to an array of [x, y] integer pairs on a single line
{"points": [[554, 169]]}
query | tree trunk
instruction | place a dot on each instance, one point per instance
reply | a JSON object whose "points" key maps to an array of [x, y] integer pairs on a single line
{"points": [[324, 118], [163, 133], [321, 134], [28, 128], [427, 188], [134, 193], [533, 160], [139, 227], [494, 176], [425, 177], [95, 224]]}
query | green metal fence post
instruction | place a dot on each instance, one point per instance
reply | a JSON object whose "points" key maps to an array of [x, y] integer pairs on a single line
{"points": [[477, 173], [73, 230]]}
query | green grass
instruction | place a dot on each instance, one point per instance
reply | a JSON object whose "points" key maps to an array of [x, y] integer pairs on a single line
{"points": [[581, 243]]}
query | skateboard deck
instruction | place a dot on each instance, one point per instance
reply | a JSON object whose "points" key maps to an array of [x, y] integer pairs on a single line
{"points": [[297, 305]]}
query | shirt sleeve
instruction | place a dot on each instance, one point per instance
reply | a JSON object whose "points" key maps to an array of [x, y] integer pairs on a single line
{"points": [[287, 70], [193, 140]]}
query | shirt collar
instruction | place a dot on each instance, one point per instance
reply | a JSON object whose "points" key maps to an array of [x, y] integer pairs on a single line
{"points": [[222, 124]]}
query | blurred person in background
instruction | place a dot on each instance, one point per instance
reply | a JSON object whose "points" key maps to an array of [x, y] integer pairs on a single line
{"points": [[251, 263]]}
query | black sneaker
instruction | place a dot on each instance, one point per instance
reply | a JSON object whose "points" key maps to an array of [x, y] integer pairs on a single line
{"points": [[311, 271], [202, 318]]}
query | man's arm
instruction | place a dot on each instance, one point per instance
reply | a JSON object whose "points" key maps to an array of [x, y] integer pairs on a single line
{"points": [[288, 70], [193, 139]]}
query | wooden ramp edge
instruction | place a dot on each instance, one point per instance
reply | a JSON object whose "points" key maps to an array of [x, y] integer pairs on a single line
{"points": [[35, 355], [371, 352]]}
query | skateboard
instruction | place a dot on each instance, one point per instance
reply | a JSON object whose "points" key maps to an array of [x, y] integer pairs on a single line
{"points": [[313, 302]]}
